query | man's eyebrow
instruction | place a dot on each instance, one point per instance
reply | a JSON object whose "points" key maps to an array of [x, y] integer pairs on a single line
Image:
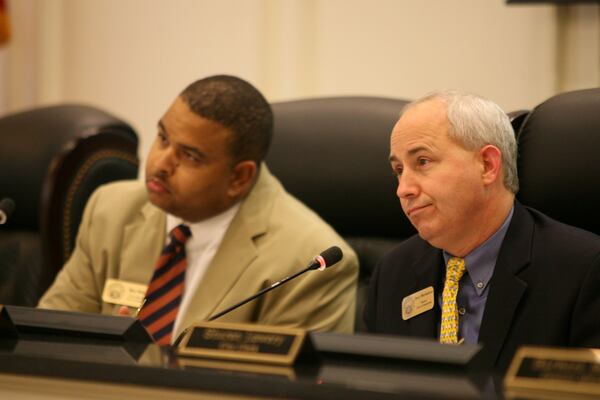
{"points": [[410, 152], [417, 149], [183, 147], [193, 150]]}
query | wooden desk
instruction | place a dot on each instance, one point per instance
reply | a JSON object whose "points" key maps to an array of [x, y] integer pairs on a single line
{"points": [[22, 387], [38, 369]]}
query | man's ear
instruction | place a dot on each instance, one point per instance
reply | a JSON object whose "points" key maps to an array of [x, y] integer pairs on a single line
{"points": [[244, 174], [491, 158]]}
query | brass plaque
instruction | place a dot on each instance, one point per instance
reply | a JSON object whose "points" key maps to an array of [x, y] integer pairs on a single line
{"points": [[242, 342], [553, 371]]}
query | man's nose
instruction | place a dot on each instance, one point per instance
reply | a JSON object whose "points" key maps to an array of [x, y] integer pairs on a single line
{"points": [[407, 185], [167, 160]]}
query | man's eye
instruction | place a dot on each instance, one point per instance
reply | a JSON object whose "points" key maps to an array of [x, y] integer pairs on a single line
{"points": [[162, 138], [191, 157], [397, 171], [423, 161]]}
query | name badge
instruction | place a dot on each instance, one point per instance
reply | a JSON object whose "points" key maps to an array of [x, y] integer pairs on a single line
{"points": [[124, 293], [417, 303]]}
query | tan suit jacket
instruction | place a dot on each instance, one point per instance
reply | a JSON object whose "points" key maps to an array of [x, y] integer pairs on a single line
{"points": [[272, 236]]}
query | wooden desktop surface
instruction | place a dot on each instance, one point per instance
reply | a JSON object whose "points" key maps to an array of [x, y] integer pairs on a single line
{"points": [[21, 387]]}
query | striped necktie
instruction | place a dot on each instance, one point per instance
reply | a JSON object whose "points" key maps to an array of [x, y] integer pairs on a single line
{"points": [[455, 269], [164, 293]]}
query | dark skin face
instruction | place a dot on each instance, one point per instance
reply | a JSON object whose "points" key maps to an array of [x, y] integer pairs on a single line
{"points": [[190, 172]]}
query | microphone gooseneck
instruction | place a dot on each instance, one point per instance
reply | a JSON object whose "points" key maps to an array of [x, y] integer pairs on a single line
{"points": [[324, 260]]}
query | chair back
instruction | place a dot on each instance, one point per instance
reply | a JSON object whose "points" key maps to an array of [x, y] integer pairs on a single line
{"points": [[51, 160], [332, 154], [558, 166]]}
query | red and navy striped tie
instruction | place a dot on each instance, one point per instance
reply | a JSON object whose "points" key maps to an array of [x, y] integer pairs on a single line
{"points": [[164, 293]]}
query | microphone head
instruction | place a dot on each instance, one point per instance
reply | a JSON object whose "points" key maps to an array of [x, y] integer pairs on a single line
{"points": [[327, 258], [7, 206]]}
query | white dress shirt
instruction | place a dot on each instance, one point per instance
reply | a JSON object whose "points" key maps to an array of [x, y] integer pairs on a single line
{"points": [[200, 250]]}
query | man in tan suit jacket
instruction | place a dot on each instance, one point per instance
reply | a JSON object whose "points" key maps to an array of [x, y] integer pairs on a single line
{"points": [[206, 162]]}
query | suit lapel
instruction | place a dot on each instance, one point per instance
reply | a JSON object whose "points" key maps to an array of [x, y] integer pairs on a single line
{"points": [[506, 288], [426, 272], [236, 252], [143, 241]]}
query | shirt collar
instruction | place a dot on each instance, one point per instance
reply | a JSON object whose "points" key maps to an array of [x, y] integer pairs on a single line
{"points": [[481, 261], [201, 230]]}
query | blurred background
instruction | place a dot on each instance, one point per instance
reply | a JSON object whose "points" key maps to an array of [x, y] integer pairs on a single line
{"points": [[132, 57]]}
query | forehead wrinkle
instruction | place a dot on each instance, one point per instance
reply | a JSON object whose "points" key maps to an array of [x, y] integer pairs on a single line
{"points": [[416, 142]]}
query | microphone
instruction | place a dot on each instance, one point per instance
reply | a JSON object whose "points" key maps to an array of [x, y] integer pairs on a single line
{"points": [[324, 260], [7, 206]]}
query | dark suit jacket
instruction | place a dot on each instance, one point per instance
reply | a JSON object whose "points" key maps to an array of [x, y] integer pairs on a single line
{"points": [[545, 289]]}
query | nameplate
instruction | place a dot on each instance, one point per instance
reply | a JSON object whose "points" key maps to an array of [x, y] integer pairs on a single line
{"points": [[244, 342], [124, 293], [558, 370], [417, 303]]}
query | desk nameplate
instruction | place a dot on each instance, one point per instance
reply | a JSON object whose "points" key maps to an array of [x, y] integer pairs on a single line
{"points": [[554, 370], [243, 342]]}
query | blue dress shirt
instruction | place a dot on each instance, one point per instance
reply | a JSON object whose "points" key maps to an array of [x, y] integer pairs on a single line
{"points": [[474, 285]]}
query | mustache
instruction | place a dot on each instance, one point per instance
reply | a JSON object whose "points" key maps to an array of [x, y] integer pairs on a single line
{"points": [[160, 177]]}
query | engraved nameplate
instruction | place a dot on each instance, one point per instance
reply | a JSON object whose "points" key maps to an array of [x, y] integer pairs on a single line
{"points": [[554, 370], [242, 342]]}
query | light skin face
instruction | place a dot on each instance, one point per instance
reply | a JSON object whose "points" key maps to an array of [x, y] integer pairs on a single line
{"points": [[454, 197], [190, 172]]}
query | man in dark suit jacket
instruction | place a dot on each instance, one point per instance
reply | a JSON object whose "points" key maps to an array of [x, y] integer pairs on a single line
{"points": [[529, 280]]}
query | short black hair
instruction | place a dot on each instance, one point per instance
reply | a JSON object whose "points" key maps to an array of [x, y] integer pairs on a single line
{"points": [[239, 107]]}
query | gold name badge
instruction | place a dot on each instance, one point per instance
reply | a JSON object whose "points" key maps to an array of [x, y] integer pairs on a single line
{"points": [[124, 293], [417, 303]]}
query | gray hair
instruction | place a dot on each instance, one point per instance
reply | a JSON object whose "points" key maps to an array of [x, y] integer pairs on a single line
{"points": [[476, 122]]}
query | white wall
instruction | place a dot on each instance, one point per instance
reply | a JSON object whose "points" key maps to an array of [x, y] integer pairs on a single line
{"points": [[132, 57], [406, 48]]}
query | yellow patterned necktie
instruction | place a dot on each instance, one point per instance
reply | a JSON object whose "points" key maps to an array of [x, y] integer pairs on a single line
{"points": [[449, 326]]}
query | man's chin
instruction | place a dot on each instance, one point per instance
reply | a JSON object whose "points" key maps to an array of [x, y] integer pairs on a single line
{"points": [[437, 242], [160, 202], [429, 236], [423, 235]]}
